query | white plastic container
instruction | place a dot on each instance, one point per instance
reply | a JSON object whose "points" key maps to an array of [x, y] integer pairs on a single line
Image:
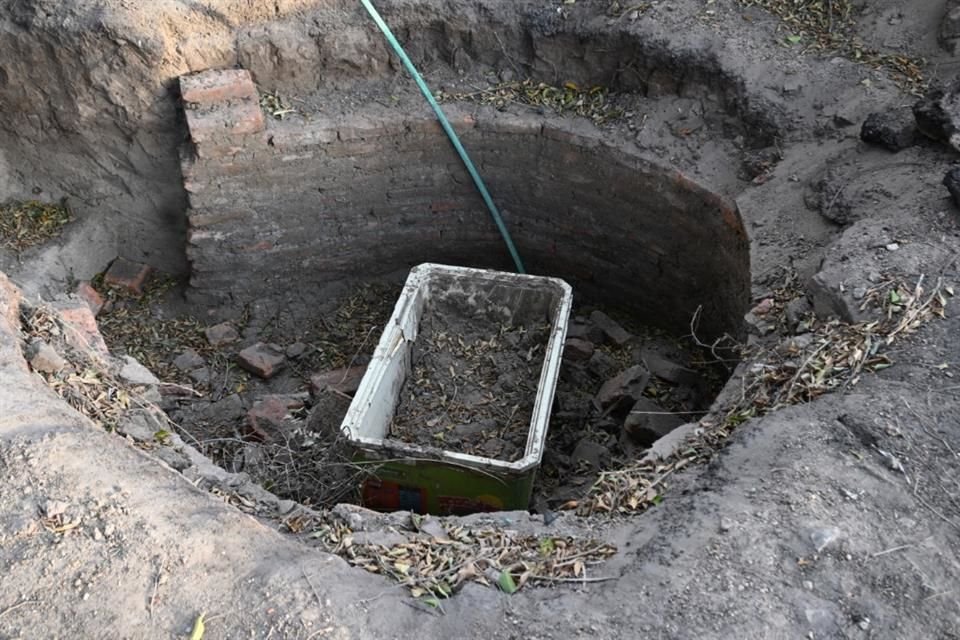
{"points": [[432, 480]]}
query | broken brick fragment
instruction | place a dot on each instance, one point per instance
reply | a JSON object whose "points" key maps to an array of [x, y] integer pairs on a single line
{"points": [[128, 275], [262, 359]]}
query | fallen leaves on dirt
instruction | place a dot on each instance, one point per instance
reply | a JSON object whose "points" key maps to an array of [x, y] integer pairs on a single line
{"points": [[351, 330], [274, 105], [437, 566], [832, 356], [130, 327], [29, 223], [88, 388], [829, 25], [590, 102]]}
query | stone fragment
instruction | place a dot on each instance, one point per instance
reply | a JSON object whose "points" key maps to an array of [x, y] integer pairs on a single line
{"points": [[188, 360], [796, 310], [127, 274], [91, 296], [577, 349], [262, 359], [611, 329], [141, 425], [590, 453], [296, 350], [938, 114], [647, 422], [44, 358], [625, 388], [668, 370], [892, 130], [327, 413], [54, 508], [952, 182], [200, 376], [345, 380], [80, 329], [265, 421], [221, 334], [949, 35], [133, 372]]}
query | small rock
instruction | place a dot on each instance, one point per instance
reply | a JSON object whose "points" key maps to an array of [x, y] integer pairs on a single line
{"points": [[188, 360], [952, 182], [296, 350], [611, 329], [601, 364], [132, 372], [221, 334], [824, 537], [763, 307], [590, 453], [577, 349], [667, 370], [262, 360], [949, 35], [726, 524], [345, 380], [200, 376], [647, 422], [175, 458], [265, 420], [893, 131], [140, 425], [327, 414], [45, 358], [97, 534], [54, 508], [507, 75], [796, 311], [627, 387], [285, 506], [892, 246], [937, 114], [808, 585]]}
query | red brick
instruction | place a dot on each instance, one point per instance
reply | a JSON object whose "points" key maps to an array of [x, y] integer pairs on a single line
{"points": [[266, 419], [261, 359], [225, 122], [346, 380], [217, 85], [128, 275], [81, 331], [91, 296]]}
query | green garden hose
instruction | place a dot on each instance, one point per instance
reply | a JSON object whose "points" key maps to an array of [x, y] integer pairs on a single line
{"points": [[454, 139]]}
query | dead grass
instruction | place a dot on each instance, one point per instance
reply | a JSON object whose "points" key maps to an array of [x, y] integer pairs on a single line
{"points": [[589, 102], [439, 559], [833, 356], [829, 26], [29, 223]]}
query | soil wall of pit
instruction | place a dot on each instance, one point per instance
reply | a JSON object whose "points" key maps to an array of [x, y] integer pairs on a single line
{"points": [[305, 204]]}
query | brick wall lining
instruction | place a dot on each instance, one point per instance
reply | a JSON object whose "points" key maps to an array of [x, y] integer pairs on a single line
{"points": [[282, 206]]}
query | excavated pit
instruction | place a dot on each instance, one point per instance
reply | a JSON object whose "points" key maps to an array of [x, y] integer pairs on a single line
{"points": [[318, 171]]}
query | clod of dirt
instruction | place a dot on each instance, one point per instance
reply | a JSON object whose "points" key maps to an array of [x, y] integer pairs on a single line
{"points": [[894, 130], [473, 384], [952, 182], [938, 115]]}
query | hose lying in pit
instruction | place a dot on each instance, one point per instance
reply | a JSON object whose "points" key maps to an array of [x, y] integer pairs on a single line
{"points": [[454, 139]]}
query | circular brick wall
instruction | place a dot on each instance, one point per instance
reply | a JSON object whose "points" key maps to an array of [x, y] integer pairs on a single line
{"points": [[287, 208]]}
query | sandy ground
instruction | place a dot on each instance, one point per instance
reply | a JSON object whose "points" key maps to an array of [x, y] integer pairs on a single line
{"points": [[839, 518]]}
